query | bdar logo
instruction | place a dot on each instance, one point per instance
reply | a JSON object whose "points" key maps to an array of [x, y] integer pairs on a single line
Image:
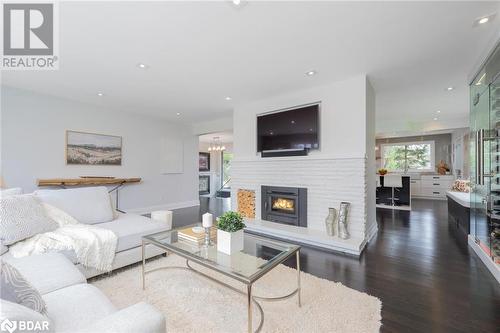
{"points": [[8, 326], [28, 29]]}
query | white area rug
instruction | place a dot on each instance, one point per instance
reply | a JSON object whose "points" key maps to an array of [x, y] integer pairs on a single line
{"points": [[192, 303]]}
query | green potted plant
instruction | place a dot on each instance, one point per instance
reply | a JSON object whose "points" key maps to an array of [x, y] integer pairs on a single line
{"points": [[230, 232]]}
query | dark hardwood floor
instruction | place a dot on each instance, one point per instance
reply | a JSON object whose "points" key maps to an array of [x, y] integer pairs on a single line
{"points": [[428, 281]]}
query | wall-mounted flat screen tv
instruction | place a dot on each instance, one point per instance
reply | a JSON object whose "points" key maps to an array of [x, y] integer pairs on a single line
{"points": [[296, 128]]}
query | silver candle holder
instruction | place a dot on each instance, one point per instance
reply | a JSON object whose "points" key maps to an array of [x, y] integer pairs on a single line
{"points": [[208, 241]]}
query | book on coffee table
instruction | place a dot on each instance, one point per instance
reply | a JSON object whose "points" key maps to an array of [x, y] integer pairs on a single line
{"points": [[188, 234]]}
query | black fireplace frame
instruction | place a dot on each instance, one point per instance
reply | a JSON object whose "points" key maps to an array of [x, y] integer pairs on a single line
{"points": [[298, 218]]}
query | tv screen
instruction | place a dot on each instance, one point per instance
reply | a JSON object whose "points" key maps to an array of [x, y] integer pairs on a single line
{"points": [[291, 129]]}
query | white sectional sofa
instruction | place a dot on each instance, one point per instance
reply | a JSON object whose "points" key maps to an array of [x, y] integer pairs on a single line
{"points": [[73, 305], [92, 205]]}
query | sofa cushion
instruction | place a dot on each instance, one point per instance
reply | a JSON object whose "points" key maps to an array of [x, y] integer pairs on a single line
{"points": [[7, 192], [138, 318], [48, 272], [22, 216], [15, 288], [58, 215], [131, 227], [73, 308], [88, 205], [16, 312]]}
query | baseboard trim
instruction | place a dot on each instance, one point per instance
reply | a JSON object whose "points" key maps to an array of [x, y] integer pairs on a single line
{"points": [[310, 237], [492, 267], [169, 206]]}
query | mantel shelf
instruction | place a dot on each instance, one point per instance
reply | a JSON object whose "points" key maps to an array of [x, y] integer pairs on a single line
{"points": [[86, 181]]}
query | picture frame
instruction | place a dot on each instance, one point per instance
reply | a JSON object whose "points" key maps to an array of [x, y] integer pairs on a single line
{"points": [[204, 162], [204, 184], [85, 148]]}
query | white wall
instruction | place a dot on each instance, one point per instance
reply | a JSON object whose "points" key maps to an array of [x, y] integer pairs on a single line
{"points": [[338, 172], [460, 152], [342, 117], [371, 219], [33, 146], [211, 126]]}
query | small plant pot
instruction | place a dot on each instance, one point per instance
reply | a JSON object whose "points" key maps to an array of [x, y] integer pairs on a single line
{"points": [[229, 242]]}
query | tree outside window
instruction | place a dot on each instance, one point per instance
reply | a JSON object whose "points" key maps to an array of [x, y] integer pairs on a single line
{"points": [[410, 156]]}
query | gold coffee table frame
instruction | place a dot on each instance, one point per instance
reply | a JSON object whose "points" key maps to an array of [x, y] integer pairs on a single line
{"points": [[248, 281]]}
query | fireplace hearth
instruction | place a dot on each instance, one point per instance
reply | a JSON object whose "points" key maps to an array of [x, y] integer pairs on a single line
{"points": [[285, 205]]}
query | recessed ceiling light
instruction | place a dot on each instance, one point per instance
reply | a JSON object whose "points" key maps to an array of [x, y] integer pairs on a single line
{"points": [[311, 73], [435, 119], [450, 88], [293, 121], [483, 20], [438, 111], [142, 65], [100, 94], [228, 98], [178, 113], [236, 2]]}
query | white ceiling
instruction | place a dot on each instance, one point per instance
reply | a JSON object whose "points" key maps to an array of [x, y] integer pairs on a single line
{"points": [[224, 137], [201, 52]]}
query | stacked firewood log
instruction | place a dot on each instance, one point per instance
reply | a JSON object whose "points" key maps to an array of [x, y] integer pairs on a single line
{"points": [[246, 203]]}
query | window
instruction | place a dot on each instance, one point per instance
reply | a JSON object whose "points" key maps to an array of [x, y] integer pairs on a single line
{"points": [[408, 156]]}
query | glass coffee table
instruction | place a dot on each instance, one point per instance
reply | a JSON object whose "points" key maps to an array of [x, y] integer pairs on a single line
{"points": [[259, 256]]}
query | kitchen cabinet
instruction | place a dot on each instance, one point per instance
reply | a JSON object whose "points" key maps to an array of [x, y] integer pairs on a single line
{"points": [[415, 187], [434, 186]]}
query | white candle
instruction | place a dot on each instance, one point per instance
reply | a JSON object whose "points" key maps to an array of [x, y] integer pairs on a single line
{"points": [[207, 220]]}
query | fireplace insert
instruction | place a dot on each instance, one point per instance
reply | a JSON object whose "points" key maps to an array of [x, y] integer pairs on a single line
{"points": [[286, 205]]}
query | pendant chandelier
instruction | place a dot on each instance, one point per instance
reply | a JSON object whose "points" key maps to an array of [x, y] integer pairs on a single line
{"points": [[216, 145]]}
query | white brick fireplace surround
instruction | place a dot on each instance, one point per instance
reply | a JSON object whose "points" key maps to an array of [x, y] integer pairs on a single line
{"points": [[328, 181], [343, 169]]}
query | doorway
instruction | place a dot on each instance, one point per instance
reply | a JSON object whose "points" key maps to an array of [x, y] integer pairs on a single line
{"points": [[215, 157]]}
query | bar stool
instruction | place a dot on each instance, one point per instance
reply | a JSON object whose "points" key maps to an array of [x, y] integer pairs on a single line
{"points": [[377, 185], [394, 181]]}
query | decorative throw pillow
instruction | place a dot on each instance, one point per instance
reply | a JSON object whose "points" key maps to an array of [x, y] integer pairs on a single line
{"points": [[14, 288], [89, 205], [461, 185], [22, 216]]}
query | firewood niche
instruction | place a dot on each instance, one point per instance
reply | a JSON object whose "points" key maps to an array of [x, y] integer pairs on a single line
{"points": [[246, 203]]}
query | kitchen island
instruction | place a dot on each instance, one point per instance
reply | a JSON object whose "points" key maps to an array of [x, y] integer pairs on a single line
{"points": [[402, 194]]}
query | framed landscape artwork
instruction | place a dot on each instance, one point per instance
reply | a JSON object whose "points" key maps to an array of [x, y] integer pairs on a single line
{"points": [[204, 185], [204, 162], [93, 149]]}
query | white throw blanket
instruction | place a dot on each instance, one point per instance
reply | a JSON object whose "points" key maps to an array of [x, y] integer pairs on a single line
{"points": [[94, 247]]}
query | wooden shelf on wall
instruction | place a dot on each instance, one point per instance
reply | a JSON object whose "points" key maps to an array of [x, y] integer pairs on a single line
{"points": [[86, 181]]}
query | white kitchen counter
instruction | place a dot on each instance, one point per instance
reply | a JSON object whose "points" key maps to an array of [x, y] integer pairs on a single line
{"points": [[462, 198]]}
